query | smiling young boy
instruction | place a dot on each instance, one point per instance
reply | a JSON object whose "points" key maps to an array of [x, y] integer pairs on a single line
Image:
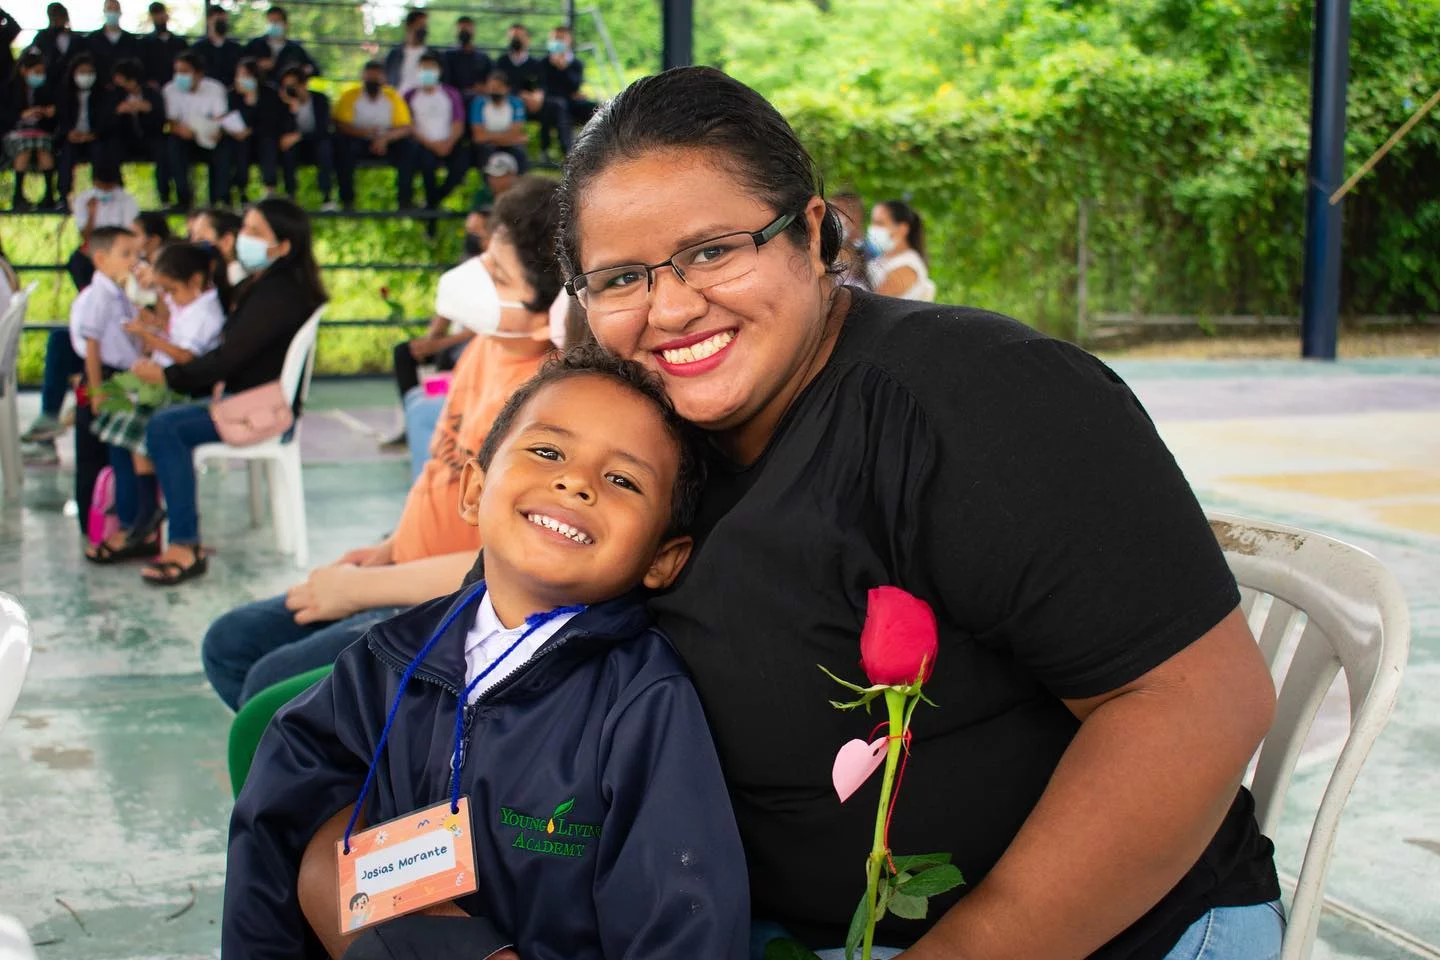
{"points": [[601, 822]]}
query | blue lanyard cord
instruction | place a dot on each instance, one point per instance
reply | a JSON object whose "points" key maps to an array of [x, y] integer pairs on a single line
{"points": [[532, 623], [479, 590]]}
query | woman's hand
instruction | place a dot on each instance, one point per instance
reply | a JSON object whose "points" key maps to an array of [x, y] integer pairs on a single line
{"points": [[331, 593], [148, 370]]}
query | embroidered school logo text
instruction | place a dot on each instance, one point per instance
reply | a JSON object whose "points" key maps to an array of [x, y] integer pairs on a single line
{"points": [[555, 835]]}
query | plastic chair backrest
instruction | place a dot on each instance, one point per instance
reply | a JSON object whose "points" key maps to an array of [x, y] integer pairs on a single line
{"points": [[300, 358], [14, 653], [1352, 617], [11, 325]]}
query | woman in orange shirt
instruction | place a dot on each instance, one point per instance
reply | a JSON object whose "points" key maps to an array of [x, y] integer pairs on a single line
{"points": [[260, 644]]}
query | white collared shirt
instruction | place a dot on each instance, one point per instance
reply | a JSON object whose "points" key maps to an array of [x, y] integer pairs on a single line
{"points": [[489, 638], [199, 108], [100, 312], [118, 210], [195, 327]]}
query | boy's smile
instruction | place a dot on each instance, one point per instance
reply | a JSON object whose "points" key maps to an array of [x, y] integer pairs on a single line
{"points": [[577, 500]]}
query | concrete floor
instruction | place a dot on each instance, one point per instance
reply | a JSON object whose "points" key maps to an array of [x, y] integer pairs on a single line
{"points": [[113, 791]]}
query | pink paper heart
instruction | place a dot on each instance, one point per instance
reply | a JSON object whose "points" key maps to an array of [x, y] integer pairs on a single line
{"points": [[854, 764]]}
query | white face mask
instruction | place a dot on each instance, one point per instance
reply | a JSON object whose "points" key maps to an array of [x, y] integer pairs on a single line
{"points": [[559, 312], [880, 239], [468, 296]]}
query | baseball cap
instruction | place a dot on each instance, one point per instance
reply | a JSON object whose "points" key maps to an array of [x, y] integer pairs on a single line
{"points": [[500, 165]]}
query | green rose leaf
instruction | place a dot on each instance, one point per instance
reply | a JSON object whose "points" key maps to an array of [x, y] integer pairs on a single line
{"points": [[907, 906], [920, 861], [563, 809], [857, 928], [932, 881], [786, 949]]}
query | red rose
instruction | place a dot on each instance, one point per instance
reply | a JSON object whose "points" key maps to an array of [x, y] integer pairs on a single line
{"points": [[899, 638]]}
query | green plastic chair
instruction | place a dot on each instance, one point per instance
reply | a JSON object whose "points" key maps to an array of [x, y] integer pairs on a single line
{"points": [[250, 722]]}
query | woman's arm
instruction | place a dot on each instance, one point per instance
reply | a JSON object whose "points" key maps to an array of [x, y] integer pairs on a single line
{"points": [[898, 282], [336, 592], [1137, 797]]}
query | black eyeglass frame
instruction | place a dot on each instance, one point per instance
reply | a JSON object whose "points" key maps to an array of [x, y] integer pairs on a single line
{"points": [[761, 237]]}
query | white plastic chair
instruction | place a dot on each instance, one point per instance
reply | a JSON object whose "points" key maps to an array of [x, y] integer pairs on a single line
{"points": [[14, 653], [10, 326], [279, 459], [1355, 620]]}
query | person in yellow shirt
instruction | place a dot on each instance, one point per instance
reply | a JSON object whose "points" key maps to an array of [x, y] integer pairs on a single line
{"points": [[373, 124]]}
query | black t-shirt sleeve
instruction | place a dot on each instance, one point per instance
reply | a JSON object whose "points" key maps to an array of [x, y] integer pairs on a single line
{"points": [[1044, 512]]}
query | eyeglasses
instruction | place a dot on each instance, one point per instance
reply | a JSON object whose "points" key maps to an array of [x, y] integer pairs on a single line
{"points": [[699, 267]]}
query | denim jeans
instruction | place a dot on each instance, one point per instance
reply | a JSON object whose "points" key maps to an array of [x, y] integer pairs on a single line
{"points": [[171, 439], [1225, 933], [260, 644], [422, 413], [61, 363]]}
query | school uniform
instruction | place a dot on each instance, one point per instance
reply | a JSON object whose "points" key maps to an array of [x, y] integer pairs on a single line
{"points": [[199, 108], [109, 49], [284, 55], [585, 757], [100, 311], [312, 122], [157, 53], [80, 111], [267, 119], [113, 208], [137, 137]]}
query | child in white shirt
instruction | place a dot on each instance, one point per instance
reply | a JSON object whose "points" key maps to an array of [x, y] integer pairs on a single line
{"points": [[188, 325]]}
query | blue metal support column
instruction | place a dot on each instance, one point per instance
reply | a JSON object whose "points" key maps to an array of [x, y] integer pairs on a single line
{"points": [[677, 33], [1329, 73]]}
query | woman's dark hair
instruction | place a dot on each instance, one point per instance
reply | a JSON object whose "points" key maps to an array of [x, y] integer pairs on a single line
{"points": [[590, 360], [530, 218], [250, 65], [29, 60], [183, 261], [902, 212], [129, 68], [224, 222], [290, 223], [154, 224], [192, 60], [698, 108]]}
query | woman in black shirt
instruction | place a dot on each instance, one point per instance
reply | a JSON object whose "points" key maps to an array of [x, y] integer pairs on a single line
{"points": [[281, 293], [1099, 692], [266, 119]]}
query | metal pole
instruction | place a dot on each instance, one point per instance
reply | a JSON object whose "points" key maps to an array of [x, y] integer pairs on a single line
{"points": [[570, 16], [1329, 71], [677, 33]]}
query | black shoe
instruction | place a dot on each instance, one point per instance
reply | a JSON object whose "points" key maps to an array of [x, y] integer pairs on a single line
{"points": [[22, 205], [395, 443]]}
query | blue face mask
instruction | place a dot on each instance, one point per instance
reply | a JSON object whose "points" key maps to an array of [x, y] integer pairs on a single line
{"points": [[184, 81], [112, 18], [34, 80], [252, 252], [556, 46], [104, 195], [247, 84], [428, 78], [276, 30]]}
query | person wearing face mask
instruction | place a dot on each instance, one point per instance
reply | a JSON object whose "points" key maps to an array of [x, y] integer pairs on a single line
{"points": [[258, 123], [106, 204], [133, 123], [284, 288], [194, 106], [466, 65], [562, 78], [220, 53], [311, 112], [80, 115], [276, 52], [29, 121], [111, 43], [497, 123], [56, 42], [899, 269], [501, 172], [160, 47], [439, 122], [854, 248], [373, 122], [525, 72], [260, 644], [402, 63], [218, 229]]}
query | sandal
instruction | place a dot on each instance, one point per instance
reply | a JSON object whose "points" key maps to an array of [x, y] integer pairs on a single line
{"points": [[133, 550], [172, 574]]}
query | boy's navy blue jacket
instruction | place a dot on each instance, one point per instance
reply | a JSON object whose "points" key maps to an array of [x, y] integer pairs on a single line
{"points": [[646, 865]]}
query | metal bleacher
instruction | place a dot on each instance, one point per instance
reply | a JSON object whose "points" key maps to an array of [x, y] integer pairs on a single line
{"points": [[340, 58]]}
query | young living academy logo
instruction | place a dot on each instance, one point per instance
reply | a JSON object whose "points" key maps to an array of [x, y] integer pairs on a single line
{"points": [[553, 835]]}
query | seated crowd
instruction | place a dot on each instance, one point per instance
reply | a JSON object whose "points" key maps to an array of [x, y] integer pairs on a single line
{"points": [[74, 99]]}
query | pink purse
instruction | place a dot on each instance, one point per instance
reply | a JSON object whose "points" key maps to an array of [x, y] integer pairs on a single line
{"points": [[253, 416]]}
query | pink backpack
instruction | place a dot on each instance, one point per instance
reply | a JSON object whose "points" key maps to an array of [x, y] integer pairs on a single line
{"points": [[102, 522]]}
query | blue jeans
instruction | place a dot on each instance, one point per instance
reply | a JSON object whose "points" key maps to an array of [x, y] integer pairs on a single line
{"points": [[171, 439], [260, 644], [422, 413], [61, 363], [1225, 933]]}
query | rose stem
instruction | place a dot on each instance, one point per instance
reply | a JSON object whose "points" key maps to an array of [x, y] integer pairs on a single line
{"points": [[895, 703]]}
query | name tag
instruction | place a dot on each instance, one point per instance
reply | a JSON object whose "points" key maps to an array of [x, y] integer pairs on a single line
{"points": [[406, 864]]}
